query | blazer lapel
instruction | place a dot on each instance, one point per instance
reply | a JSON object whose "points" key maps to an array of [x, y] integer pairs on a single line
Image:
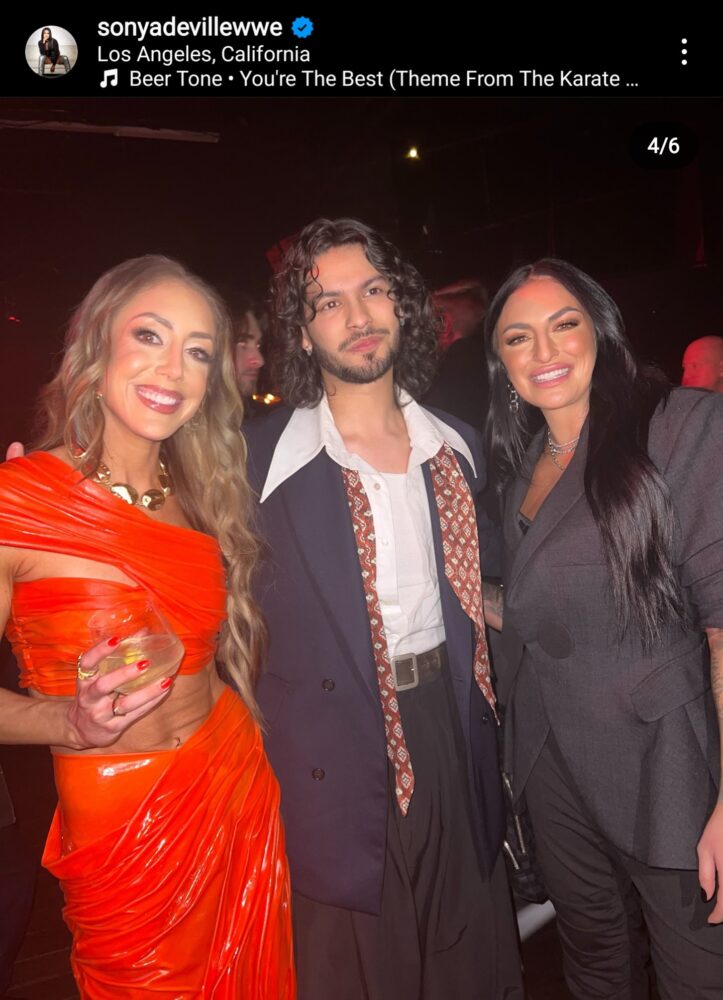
{"points": [[315, 502], [513, 534], [561, 498]]}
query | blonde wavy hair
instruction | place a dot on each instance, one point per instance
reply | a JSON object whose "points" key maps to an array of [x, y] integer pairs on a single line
{"points": [[208, 465]]}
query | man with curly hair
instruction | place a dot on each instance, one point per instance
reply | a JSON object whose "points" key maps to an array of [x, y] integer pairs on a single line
{"points": [[380, 714]]}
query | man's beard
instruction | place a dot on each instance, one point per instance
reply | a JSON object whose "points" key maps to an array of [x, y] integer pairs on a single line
{"points": [[370, 371], [247, 385]]}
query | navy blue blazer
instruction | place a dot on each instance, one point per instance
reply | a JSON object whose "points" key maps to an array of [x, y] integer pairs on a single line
{"points": [[319, 694]]}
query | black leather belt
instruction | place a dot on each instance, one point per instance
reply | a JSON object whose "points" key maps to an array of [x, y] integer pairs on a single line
{"points": [[413, 669]]}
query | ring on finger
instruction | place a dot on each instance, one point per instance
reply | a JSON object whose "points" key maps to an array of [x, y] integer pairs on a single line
{"points": [[84, 675], [115, 711]]}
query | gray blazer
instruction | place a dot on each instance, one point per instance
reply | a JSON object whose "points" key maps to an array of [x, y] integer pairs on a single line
{"points": [[637, 729]]}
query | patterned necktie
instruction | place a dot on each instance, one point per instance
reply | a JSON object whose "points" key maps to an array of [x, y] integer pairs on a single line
{"points": [[461, 554], [462, 569]]}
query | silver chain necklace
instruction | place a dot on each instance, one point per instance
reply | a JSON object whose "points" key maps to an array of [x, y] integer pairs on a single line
{"points": [[555, 449]]}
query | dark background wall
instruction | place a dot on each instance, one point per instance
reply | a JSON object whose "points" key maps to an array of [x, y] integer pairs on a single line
{"points": [[84, 186]]}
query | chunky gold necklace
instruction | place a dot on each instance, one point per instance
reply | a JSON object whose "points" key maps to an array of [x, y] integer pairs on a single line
{"points": [[152, 499]]}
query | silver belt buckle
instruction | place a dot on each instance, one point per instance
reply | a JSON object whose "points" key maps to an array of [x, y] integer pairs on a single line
{"points": [[405, 666]]}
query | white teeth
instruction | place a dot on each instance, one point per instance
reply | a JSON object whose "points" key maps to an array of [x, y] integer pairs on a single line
{"points": [[549, 376], [159, 397]]}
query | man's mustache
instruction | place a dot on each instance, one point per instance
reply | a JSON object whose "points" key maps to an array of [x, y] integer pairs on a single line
{"points": [[370, 331]]}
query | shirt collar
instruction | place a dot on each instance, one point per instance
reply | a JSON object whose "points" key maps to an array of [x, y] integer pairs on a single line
{"points": [[312, 429]]}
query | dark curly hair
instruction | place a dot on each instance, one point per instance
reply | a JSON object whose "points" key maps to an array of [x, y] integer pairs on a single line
{"points": [[299, 375]]}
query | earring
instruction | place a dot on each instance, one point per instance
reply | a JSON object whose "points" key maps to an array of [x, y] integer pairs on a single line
{"points": [[98, 394], [307, 349], [192, 425], [514, 399]]}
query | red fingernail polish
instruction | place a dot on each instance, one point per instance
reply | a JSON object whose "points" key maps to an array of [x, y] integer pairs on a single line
{"points": [[142, 664], [166, 682], [114, 640]]}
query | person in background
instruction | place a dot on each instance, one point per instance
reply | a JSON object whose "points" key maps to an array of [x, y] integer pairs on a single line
{"points": [[703, 363], [247, 355], [456, 386]]}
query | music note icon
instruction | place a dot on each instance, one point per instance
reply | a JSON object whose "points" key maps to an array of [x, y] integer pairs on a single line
{"points": [[110, 77]]}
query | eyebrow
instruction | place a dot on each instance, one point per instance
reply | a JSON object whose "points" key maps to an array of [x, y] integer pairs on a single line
{"points": [[550, 319], [169, 326], [364, 284]]}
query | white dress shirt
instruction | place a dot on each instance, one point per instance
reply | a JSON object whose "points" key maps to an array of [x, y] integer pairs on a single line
{"points": [[407, 582]]}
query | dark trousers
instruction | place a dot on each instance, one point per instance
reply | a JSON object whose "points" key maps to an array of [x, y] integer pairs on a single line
{"points": [[615, 915], [444, 932]]}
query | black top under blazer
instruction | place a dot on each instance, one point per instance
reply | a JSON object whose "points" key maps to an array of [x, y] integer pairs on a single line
{"points": [[637, 729], [53, 49], [319, 692]]}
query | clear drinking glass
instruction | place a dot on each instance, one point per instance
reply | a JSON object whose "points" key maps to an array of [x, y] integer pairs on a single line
{"points": [[144, 635]]}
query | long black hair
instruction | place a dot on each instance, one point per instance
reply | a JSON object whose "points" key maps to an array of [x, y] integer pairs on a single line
{"points": [[299, 376], [628, 497]]}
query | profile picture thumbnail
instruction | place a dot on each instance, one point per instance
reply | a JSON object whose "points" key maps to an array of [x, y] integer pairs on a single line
{"points": [[51, 51]]}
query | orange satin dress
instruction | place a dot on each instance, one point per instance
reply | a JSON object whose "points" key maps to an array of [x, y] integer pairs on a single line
{"points": [[172, 862]]}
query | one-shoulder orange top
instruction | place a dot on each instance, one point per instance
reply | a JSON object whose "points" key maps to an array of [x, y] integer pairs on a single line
{"points": [[47, 505]]}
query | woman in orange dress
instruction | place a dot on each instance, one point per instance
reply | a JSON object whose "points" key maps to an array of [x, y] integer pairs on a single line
{"points": [[167, 838]]}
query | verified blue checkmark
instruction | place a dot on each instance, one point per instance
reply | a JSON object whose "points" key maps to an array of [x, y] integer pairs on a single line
{"points": [[302, 27]]}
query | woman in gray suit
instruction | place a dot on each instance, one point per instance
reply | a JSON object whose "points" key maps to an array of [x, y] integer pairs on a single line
{"points": [[613, 632]]}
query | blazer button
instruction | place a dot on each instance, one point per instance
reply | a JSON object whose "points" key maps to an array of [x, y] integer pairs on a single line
{"points": [[318, 774], [328, 685], [485, 718]]}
